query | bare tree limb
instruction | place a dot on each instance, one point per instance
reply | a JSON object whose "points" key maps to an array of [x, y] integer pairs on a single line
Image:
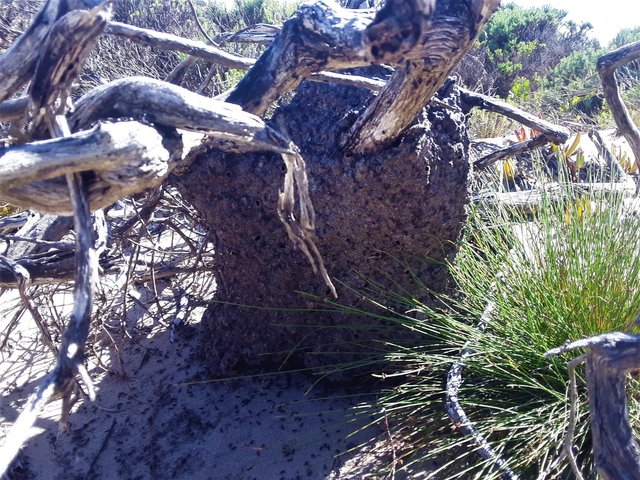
{"points": [[549, 132], [166, 41], [18, 63], [13, 222], [14, 109], [606, 66], [124, 158], [324, 36], [38, 232], [454, 27], [173, 106], [555, 133], [58, 65], [69, 43], [50, 267], [515, 149], [573, 416]]}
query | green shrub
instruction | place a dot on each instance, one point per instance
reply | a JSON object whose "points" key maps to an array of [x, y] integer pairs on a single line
{"points": [[575, 274]]}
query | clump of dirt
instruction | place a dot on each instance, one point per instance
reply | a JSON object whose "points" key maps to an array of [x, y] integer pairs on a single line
{"points": [[385, 222]]}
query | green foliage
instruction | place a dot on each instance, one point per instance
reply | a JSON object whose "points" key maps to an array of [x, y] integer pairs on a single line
{"points": [[576, 67], [229, 79], [521, 90], [512, 25], [573, 87], [570, 273], [625, 36], [525, 42], [6, 209]]}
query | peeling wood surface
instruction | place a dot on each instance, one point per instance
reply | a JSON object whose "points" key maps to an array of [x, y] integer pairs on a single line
{"points": [[18, 63], [68, 44], [324, 36], [124, 158], [453, 28], [173, 106]]}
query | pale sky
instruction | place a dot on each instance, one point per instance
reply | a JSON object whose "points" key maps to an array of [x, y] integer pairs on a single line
{"points": [[607, 17]]}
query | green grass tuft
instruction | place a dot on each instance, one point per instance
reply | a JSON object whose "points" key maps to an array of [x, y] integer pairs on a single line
{"points": [[569, 272]]}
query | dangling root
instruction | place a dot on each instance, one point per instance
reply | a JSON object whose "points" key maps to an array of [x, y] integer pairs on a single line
{"points": [[301, 231]]}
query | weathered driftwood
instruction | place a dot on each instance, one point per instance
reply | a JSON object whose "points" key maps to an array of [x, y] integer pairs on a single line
{"points": [[549, 132], [59, 63], [11, 223], [18, 63], [440, 46], [69, 42], [162, 103], [609, 359], [39, 231], [166, 41], [123, 158], [510, 151], [51, 267], [324, 36], [607, 65], [16, 109]]}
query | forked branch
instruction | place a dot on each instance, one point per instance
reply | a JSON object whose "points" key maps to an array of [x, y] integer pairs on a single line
{"points": [[453, 28], [548, 132], [324, 36]]}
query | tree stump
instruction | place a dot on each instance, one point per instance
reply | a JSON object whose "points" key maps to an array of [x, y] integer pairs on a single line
{"points": [[388, 220]]}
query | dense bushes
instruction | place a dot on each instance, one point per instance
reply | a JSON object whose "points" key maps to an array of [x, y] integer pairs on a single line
{"points": [[523, 42]]}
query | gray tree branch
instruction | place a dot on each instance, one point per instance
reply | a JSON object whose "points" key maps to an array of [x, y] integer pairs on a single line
{"points": [[606, 66], [609, 358], [453, 28]]}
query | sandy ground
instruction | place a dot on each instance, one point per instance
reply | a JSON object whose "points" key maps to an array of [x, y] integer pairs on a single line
{"points": [[154, 422], [157, 415]]}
